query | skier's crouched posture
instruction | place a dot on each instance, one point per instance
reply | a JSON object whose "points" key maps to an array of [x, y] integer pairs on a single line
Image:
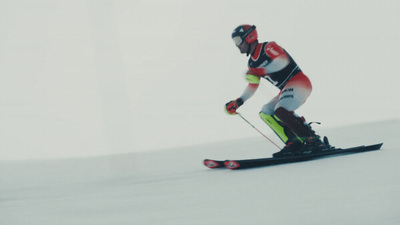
{"points": [[270, 61]]}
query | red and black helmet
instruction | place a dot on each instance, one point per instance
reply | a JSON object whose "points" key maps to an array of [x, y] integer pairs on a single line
{"points": [[246, 33]]}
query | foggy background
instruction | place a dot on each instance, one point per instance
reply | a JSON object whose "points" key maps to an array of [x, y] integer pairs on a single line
{"points": [[81, 78]]}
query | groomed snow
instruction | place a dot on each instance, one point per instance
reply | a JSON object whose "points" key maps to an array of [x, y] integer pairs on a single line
{"points": [[173, 187]]}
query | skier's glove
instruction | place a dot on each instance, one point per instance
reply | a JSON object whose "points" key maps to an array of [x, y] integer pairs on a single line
{"points": [[231, 106]]}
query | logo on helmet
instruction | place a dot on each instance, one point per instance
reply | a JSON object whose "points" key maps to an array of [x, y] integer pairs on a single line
{"points": [[246, 33]]}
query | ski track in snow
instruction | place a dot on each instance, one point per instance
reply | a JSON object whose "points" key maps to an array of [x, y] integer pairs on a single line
{"points": [[173, 187]]}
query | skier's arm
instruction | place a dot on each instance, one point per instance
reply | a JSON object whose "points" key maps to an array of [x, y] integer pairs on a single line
{"points": [[252, 87], [249, 91]]}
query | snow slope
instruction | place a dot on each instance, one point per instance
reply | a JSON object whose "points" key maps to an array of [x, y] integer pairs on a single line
{"points": [[173, 187]]}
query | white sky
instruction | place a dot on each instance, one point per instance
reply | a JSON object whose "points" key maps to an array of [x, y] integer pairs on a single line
{"points": [[102, 77]]}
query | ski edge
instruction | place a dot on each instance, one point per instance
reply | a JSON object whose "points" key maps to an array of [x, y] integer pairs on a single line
{"points": [[237, 164]]}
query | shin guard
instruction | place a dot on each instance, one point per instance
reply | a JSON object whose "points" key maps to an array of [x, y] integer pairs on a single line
{"points": [[283, 132]]}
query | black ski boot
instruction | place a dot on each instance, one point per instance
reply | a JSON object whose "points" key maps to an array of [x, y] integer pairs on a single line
{"points": [[291, 148], [314, 145], [309, 142]]}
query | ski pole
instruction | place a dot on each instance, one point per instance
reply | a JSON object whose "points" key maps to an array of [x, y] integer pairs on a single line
{"points": [[258, 130]]}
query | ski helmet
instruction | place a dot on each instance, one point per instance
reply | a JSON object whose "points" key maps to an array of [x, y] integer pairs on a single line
{"points": [[245, 33]]}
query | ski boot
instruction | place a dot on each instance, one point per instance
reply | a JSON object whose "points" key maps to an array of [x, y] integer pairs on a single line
{"points": [[311, 145], [314, 144], [291, 149]]}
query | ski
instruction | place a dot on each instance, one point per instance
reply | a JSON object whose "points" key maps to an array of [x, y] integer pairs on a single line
{"points": [[259, 162], [212, 164]]}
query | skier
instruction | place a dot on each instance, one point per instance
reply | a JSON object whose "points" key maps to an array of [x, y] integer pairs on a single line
{"points": [[270, 61]]}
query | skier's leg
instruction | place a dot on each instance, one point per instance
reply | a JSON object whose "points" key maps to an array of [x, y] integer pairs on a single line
{"points": [[299, 127], [267, 115], [292, 96], [283, 132], [295, 93]]}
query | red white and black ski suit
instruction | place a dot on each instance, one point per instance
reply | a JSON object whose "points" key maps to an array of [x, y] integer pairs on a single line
{"points": [[271, 62]]}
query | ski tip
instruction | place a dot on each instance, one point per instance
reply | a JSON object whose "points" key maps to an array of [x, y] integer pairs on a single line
{"points": [[374, 147], [379, 145], [231, 164], [211, 163]]}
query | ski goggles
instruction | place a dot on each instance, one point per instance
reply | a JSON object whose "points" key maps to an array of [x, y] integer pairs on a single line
{"points": [[237, 40]]}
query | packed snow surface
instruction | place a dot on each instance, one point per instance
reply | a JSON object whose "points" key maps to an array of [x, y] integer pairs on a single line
{"points": [[173, 187]]}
